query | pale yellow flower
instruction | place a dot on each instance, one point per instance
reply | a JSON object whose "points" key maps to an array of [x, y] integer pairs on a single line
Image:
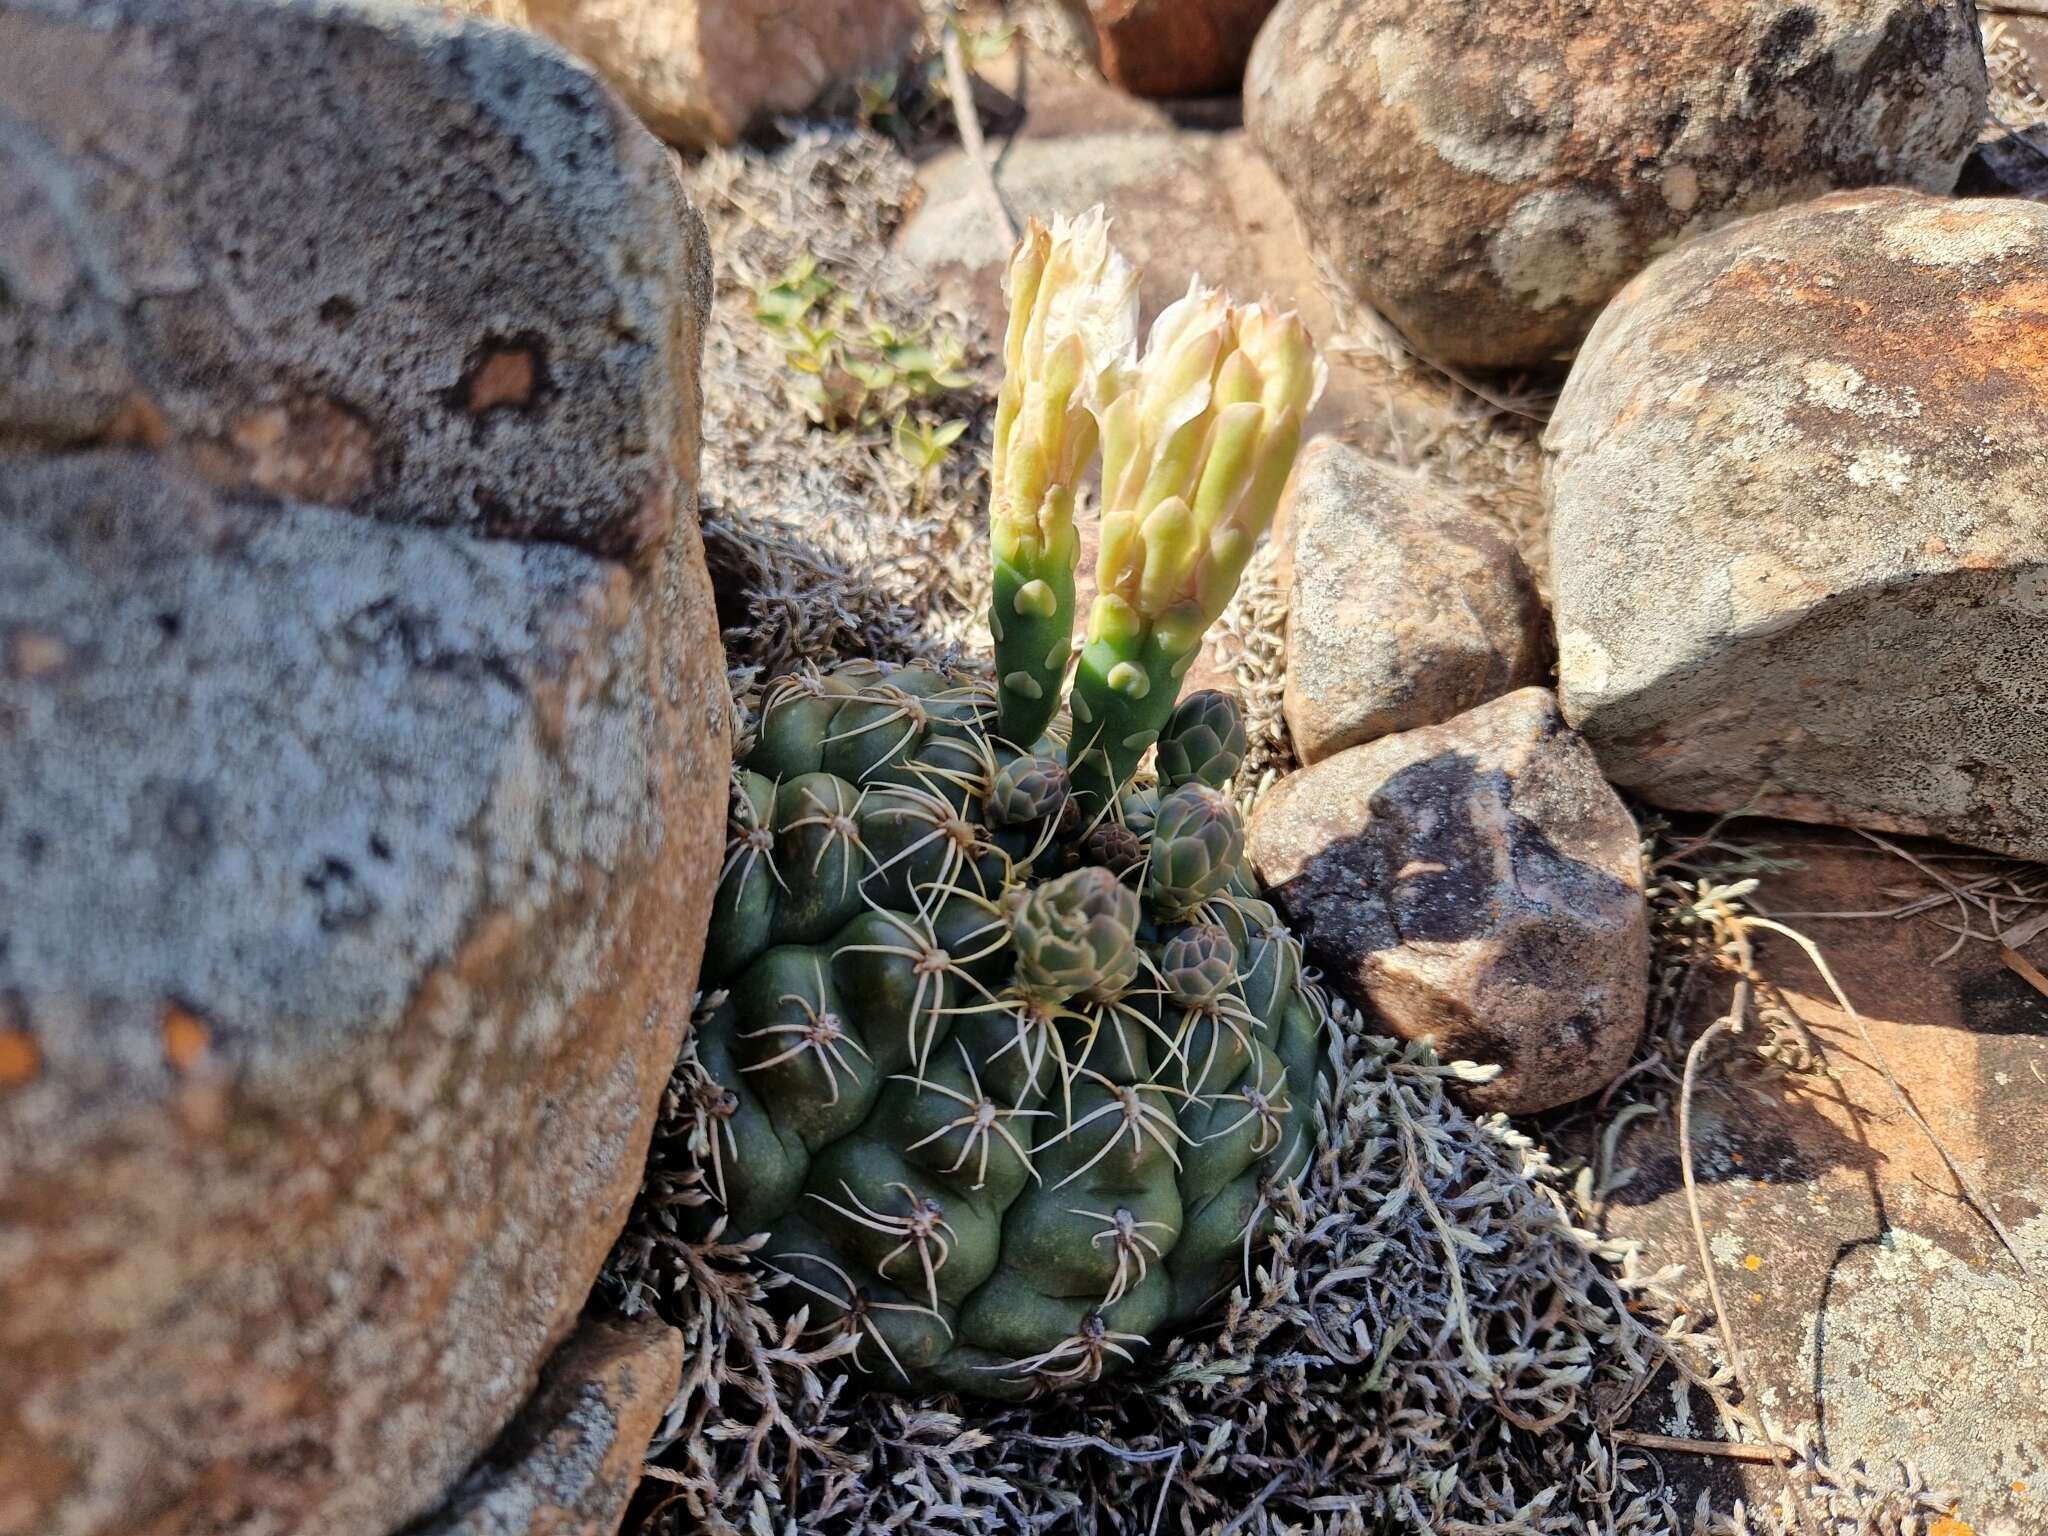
{"points": [[1196, 452], [1069, 351]]}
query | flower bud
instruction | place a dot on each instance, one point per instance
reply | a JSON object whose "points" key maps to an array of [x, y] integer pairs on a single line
{"points": [[1068, 351], [1197, 451]]}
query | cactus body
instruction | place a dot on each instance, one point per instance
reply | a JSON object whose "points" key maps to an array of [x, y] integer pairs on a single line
{"points": [[1007, 1109]]}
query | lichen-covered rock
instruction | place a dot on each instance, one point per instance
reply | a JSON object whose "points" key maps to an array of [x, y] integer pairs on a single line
{"points": [[569, 1463], [354, 878], [1166, 48], [1800, 527], [1878, 1310], [1488, 175], [354, 865], [1409, 605], [1477, 882], [702, 72], [358, 255]]}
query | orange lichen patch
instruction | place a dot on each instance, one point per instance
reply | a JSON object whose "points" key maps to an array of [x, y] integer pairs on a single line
{"points": [[311, 450], [1949, 1525], [505, 377], [2019, 1487], [1776, 279], [1752, 1262], [2007, 333], [490, 948], [136, 423], [21, 1059], [186, 1037]]}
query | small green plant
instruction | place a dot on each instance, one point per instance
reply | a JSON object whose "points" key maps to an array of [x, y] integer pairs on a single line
{"points": [[1010, 1072], [909, 102], [924, 446], [849, 374]]}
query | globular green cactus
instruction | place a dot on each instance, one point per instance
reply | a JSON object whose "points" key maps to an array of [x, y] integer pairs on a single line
{"points": [[1005, 1113], [1005, 1055]]}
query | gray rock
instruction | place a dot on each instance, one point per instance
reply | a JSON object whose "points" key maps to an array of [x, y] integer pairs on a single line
{"points": [[1409, 605], [2011, 165], [353, 882], [568, 1465], [1800, 529], [354, 254], [1488, 175], [354, 866], [1477, 882]]}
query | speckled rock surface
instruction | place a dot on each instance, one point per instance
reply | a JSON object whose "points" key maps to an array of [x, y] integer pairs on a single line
{"points": [[354, 883], [353, 865], [1475, 881], [352, 254], [1174, 47], [1874, 1309], [702, 72], [1488, 175], [1800, 533], [1409, 605], [569, 1463]]}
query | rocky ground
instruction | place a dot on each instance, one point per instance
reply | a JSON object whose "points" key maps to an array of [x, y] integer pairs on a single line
{"points": [[1660, 592]]}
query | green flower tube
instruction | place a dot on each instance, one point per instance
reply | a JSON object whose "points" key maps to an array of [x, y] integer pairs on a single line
{"points": [[1067, 353], [1195, 457]]}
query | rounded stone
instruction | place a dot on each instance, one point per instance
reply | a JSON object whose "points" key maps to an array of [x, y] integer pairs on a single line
{"points": [[1166, 48], [353, 882], [363, 743], [1800, 527], [1478, 883], [568, 1465], [1486, 176], [1409, 605], [366, 256]]}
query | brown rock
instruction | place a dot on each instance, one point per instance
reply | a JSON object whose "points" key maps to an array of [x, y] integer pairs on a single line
{"points": [[1871, 1305], [702, 72], [294, 246], [1176, 47], [1488, 175], [1409, 605], [1809, 447], [569, 1463], [1476, 882], [352, 864]]}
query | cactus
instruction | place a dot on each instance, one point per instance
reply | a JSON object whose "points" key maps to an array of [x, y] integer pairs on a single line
{"points": [[1004, 1113], [1005, 1055]]}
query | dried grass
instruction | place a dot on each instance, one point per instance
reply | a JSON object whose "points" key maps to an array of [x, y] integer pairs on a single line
{"points": [[2017, 98]]}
